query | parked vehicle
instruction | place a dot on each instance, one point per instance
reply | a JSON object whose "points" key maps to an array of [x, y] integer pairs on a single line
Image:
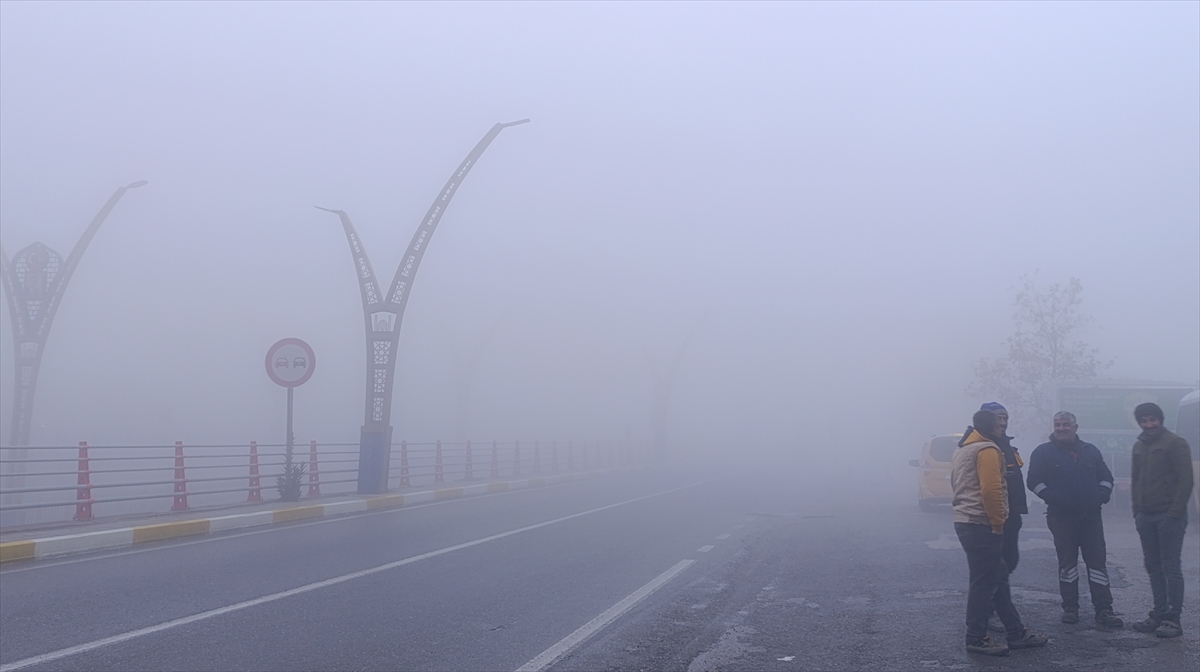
{"points": [[933, 475], [1187, 425]]}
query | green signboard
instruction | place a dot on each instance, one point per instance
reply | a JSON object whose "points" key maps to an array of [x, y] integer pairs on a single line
{"points": [[1110, 407]]}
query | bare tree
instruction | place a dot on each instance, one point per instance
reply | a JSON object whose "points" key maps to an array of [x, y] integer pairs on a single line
{"points": [[1044, 349]]}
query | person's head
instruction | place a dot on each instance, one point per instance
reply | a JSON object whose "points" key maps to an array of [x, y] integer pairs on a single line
{"points": [[1065, 426], [985, 423], [1001, 416], [1149, 417]]}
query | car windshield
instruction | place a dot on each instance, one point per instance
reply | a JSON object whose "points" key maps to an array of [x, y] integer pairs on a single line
{"points": [[942, 448]]}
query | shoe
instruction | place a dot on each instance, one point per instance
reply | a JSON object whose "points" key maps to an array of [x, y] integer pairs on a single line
{"points": [[1149, 625], [988, 647], [1107, 619], [1029, 640], [996, 625], [1070, 617], [1168, 629]]}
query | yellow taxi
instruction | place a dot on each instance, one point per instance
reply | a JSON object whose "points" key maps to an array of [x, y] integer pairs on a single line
{"points": [[933, 471]]}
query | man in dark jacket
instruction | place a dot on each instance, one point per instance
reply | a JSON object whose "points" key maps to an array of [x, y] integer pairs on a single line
{"points": [[1160, 484], [1071, 476], [1017, 506]]}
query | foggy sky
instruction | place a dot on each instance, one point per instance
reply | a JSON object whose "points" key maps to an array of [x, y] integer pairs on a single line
{"points": [[846, 194]]}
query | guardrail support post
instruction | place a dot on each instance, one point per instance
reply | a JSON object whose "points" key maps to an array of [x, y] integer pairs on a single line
{"points": [[181, 492], [537, 457], [437, 464], [554, 457], [570, 456], [516, 458], [83, 507], [255, 494], [495, 460], [584, 453], [470, 468], [314, 482], [404, 464]]}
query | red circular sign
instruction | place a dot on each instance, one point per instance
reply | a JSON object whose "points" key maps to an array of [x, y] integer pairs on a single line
{"points": [[290, 362]]}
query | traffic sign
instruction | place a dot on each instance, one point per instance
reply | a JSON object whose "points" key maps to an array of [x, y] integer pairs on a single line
{"points": [[290, 362]]}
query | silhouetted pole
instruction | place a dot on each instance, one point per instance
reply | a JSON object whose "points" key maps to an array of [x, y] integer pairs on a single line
{"points": [[383, 315], [34, 282]]}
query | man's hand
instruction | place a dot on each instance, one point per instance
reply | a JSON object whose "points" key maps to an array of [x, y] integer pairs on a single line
{"points": [[997, 530]]}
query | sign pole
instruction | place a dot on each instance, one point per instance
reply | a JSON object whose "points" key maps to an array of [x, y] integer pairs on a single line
{"points": [[291, 439]]}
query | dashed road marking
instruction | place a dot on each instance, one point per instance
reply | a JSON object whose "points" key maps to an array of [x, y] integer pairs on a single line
{"points": [[723, 536], [220, 611], [706, 548], [566, 644]]}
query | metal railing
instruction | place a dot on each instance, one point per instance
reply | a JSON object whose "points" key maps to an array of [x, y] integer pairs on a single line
{"points": [[43, 484]]}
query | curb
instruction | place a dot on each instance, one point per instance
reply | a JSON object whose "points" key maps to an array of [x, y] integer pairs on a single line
{"points": [[49, 547]]}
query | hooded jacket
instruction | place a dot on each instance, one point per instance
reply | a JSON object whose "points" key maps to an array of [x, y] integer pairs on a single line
{"points": [[1071, 477], [977, 477], [1016, 480]]}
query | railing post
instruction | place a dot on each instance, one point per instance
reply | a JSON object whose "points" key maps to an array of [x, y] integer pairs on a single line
{"points": [[570, 456], [554, 457], [437, 464], [470, 466], [181, 492], [585, 462], [83, 506], [537, 457], [517, 458], [495, 472], [255, 484], [404, 464], [314, 482]]}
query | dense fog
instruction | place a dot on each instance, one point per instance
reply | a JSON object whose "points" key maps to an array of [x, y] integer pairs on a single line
{"points": [[819, 210]]}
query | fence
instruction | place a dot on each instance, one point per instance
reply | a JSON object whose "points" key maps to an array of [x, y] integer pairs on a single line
{"points": [[43, 484]]}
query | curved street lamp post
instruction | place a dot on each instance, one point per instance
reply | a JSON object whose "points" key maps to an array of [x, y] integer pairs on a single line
{"points": [[382, 316]]}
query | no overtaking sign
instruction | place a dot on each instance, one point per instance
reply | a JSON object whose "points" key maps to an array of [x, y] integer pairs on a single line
{"points": [[290, 362]]}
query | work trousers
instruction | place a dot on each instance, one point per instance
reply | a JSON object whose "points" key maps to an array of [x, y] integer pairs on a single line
{"points": [[989, 582], [1073, 534], [1162, 546]]}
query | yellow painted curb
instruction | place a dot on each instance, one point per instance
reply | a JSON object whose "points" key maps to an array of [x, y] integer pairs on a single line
{"points": [[385, 501], [498, 487], [169, 530], [297, 513], [447, 493], [16, 550]]}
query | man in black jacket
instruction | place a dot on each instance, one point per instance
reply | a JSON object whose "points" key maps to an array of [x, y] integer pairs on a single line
{"points": [[1017, 506], [1071, 476]]}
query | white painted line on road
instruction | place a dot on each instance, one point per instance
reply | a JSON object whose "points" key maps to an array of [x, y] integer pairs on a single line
{"points": [[706, 548], [566, 644], [723, 536], [220, 611], [261, 530]]}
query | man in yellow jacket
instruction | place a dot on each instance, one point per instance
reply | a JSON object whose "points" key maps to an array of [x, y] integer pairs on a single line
{"points": [[980, 503]]}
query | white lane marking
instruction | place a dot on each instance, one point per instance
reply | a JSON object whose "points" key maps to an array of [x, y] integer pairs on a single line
{"points": [[738, 527], [723, 536], [100, 554], [706, 548], [566, 644], [220, 611]]}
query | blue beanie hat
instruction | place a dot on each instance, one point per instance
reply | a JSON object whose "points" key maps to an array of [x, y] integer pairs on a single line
{"points": [[993, 406]]}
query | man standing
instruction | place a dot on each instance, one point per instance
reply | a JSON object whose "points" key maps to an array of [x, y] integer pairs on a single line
{"points": [[980, 511], [1161, 482], [1071, 476], [1015, 484]]}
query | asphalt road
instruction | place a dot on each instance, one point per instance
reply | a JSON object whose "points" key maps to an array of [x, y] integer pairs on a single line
{"points": [[734, 573]]}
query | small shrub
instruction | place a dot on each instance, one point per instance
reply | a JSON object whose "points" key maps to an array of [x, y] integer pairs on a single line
{"points": [[289, 482]]}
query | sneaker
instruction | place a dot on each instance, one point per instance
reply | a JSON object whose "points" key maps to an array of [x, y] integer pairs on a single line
{"points": [[996, 625], [1168, 629], [1107, 619], [1029, 640], [1149, 625], [1070, 617], [988, 647]]}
